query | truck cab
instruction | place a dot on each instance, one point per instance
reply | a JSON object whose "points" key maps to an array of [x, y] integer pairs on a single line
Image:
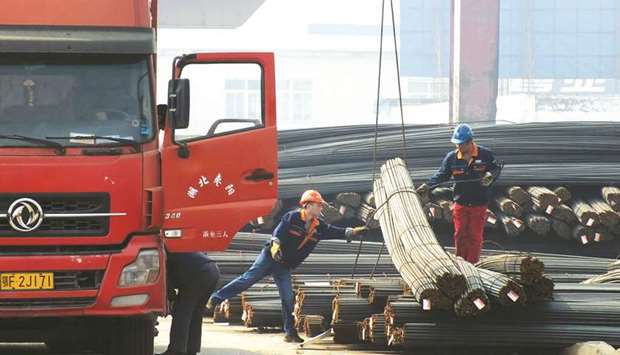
{"points": [[99, 183]]}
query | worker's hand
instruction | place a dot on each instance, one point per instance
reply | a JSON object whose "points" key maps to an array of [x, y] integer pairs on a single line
{"points": [[359, 230], [350, 232], [423, 190], [487, 179], [276, 252]]}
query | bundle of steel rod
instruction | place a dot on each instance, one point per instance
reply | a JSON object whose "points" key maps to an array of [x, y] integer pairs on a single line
{"points": [[410, 240], [347, 203], [575, 292], [612, 196], [433, 212], [513, 226], [540, 224], [583, 234], [508, 206], [254, 242], [263, 313], [527, 267], [376, 326], [348, 309], [337, 159], [502, 289], [446, 209], [565, 214], [232, 309], [534, 335], [347, 332], [543, 198], [585, 213], [317, 300], [614, 266], [609, 277], [474, 301], [563, 194], [561, 229], [379, 294], [518, 195], [491, 221], [269, 221], [539, 290], [607, 216], [366, 213], [314, 325]]}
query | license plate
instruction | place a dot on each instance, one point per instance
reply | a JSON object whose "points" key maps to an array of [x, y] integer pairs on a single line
{"points": [[17, 281]]}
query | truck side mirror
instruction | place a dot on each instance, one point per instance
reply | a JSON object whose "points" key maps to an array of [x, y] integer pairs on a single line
{"points": [[178, 102]]}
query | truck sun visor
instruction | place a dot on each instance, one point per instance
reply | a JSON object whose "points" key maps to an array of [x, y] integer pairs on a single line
{"points": [[31, 39]]}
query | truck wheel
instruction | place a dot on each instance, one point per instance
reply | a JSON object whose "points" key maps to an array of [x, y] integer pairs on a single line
{"points": [[133, 336]]}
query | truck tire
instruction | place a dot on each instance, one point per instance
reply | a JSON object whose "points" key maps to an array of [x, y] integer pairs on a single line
{"points": [[133, 336]]}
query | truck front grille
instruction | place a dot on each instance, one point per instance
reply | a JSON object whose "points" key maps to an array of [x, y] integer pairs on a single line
{"points": [[76, 302], [59, 204], [77, 280]]}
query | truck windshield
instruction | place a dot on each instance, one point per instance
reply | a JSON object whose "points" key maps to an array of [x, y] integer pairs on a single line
{"points": [[75, 95]]}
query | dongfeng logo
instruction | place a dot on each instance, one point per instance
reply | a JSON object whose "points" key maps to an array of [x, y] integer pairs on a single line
{"points": [[25, 215]]}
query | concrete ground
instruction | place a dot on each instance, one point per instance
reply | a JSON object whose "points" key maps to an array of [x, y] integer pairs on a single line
{"points": [[218, 339]]}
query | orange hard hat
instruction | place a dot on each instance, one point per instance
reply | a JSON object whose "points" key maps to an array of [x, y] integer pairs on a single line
{"points": [[310, 196]]}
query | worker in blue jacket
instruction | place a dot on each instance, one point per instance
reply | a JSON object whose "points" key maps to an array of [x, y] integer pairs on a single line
{"points": [[473, 168], [292, 241]]}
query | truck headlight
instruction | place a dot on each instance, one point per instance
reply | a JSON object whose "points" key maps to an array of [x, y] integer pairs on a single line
{"points": [[144, 270]]}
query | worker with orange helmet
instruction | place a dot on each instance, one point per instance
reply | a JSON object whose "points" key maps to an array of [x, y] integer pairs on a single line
{"points": [[298, 232]]}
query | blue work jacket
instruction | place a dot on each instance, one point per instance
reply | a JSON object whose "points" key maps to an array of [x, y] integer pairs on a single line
{"points": [[297, 242], [467, 193]]}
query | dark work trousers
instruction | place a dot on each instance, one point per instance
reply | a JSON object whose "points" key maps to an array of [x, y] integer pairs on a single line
{"points": [[195, 276]]}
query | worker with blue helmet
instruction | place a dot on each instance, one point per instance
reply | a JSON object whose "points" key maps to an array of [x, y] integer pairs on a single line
{"points": [[472, 167]]}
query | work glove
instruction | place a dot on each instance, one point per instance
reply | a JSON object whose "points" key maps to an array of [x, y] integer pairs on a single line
{"points": [[275, 250], [487, 179], [351, 232], [423, 190]]}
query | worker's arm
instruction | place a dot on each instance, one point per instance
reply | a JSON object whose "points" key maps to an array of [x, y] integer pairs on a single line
{"points": [[328, 231], [492, 169], [444, 173], [281, 232]]}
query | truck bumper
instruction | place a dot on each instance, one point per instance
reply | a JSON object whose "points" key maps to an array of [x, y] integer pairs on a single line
{"points": [[89, 301]]}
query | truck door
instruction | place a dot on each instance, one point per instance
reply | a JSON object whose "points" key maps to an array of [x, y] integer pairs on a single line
{"points": [[219, 162]]}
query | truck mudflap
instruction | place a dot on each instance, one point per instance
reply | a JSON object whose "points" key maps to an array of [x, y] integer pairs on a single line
{"points": [[83, 285]]}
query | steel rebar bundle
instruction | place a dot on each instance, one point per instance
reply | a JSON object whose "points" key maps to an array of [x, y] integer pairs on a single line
{"points": [[565, 214], [585, 213], [474, 301], [563, 193], [264, 313], [540, 224], [513, 226], [607, 216], [521, 335], [377, 333], [518, 195], [543, 198], [410, 240], [508, 206], [528, 268], [314, 325], [336, 159], [612, 196], [539, 290], [610, 277]]}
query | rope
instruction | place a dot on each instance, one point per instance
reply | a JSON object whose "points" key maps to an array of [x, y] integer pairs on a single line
{"points": [[402, 117]]}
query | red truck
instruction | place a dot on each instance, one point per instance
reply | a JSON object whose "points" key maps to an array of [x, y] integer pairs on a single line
{"points": [[98, 182]]}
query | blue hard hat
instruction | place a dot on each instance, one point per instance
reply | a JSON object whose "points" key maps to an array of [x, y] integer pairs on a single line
{"points": [[462, 133]]}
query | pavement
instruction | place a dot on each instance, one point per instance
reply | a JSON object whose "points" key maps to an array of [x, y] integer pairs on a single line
{"points": [[218, 339]]}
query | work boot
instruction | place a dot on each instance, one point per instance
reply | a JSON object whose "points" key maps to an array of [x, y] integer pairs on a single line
{"points": [[293, 338]]}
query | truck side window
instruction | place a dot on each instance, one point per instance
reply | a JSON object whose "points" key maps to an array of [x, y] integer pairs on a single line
{"points": [[225, 98]]}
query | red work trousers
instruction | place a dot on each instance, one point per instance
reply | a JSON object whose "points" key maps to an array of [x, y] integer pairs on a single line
{"points": [[468, 230]]}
